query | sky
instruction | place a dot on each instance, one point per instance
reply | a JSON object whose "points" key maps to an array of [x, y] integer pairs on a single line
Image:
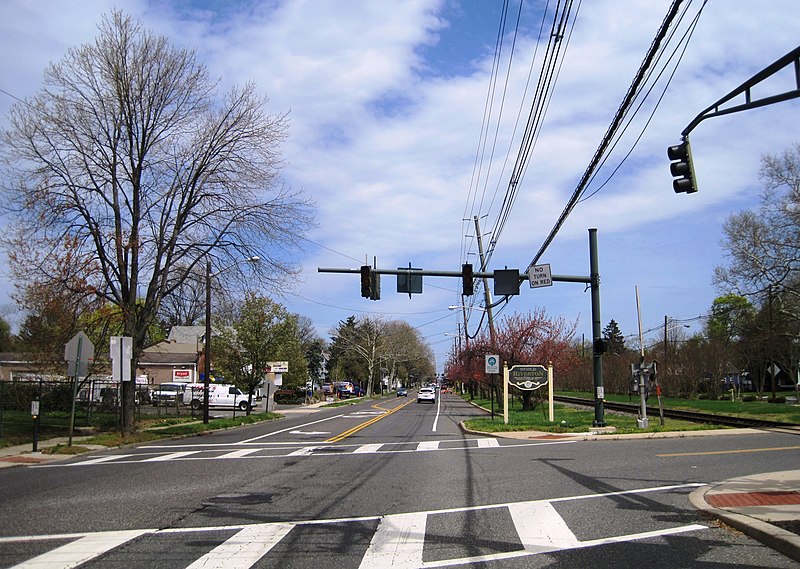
{"points": [[387, 104]]}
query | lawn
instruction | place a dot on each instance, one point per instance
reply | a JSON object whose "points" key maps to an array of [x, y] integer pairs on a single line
{"points": [[572, 419]]}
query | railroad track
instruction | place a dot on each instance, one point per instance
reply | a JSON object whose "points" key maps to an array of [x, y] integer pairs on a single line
{"points": [[727, 420]]}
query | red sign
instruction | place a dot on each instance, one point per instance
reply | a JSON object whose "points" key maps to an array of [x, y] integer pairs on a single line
{"points": [[183, 373]]}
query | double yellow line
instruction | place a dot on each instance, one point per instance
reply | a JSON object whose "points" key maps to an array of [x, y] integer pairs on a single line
{"points": [[364, 425]]}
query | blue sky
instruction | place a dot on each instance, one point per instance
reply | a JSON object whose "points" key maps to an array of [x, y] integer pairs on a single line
{"points": [[386, 103]]}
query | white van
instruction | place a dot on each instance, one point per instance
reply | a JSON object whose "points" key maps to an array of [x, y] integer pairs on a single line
{"points": [[219, 395]]}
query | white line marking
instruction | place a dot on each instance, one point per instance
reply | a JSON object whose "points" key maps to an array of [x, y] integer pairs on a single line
{"points": [[488, 443], [540, 527], [428, 445], [81, 550], [397, 543], [305, 451], [366, 449], [288, 429], [243, 549], [171, 456], [438, 410], [100, 459], [237, 453]]}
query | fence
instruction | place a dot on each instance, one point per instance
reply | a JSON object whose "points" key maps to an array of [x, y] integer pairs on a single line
{"points": [[97, 406]]}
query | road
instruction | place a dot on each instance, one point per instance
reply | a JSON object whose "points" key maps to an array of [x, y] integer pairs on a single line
{"points": [[387, 484]]}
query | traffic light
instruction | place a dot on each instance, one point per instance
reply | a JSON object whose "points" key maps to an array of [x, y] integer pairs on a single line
{"points": [[682, 168], [376, 286], [467, 282], [366, 281]]}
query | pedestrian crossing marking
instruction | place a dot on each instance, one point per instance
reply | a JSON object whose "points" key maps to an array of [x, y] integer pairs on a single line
{"points": [[488, 443], [428, 445], [540, 527], [397, 543], [81, 550], [171, 456], [368, 449], [398, 540], [245, 548]]}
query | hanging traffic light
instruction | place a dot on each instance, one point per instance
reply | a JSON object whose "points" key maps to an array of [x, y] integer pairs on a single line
{"points": [[366, 281], [467, 282], [376, 286], [682, 168]]}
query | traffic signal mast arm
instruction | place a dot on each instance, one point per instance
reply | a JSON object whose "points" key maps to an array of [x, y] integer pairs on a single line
{"points": [[793, 57], [431, 273]]}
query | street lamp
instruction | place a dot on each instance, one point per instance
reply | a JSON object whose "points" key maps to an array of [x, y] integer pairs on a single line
{"points": [[207, 363]]}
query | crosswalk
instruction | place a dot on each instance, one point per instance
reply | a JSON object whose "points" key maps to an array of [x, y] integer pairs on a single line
{"points": [[402, 540], [272, 450]]}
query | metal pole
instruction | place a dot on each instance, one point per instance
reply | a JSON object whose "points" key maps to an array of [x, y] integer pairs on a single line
{"points": [[594, 283], [207, 362]]}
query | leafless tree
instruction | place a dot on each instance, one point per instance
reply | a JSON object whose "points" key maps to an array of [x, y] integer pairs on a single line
{"points": [[130, 152], [763, 246]]}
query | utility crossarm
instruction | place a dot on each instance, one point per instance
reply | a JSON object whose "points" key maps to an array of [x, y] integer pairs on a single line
{"points": [[793, 57]]}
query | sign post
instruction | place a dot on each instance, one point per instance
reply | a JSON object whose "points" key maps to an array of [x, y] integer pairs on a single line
{"points": [[78, 352]]}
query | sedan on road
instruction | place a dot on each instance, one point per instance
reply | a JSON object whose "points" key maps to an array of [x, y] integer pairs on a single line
{"points": [[426, 394], [402, 392]]}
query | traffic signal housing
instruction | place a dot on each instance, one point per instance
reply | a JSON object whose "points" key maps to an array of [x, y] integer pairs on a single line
{"points": [[467, 280], [682, 168], [366, 281]]}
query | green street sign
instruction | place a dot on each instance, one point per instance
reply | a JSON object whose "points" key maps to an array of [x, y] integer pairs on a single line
{"points": [[528, 377]]}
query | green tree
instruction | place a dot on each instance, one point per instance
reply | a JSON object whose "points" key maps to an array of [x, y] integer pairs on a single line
{"points": [[130, 153], [615, 341], [263, 332]]}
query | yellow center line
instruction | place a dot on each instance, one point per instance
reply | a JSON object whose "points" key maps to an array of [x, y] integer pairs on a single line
{"points": [[347, 433], [772, 449]]}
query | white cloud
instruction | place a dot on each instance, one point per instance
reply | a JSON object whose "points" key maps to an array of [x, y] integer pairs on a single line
{"points": [[385, 140]]}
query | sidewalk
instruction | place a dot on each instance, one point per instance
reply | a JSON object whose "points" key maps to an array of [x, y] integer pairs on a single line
{"points": [[764, 506], [22, 454]]}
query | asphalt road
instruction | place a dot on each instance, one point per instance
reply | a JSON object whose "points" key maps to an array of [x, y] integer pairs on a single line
{"points": [[387, 484]]}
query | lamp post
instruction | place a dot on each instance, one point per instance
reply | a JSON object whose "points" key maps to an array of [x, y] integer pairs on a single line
{"points": [[207, 363]]}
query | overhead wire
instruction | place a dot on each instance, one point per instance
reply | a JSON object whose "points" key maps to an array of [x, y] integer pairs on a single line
{"points": [[627, 101]]}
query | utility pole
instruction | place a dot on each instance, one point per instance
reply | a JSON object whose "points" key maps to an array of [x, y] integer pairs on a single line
{"points": [[487, 295]]}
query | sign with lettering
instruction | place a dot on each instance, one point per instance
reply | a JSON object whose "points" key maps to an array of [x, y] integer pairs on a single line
{"points": [[528, 377], [539, 276]]}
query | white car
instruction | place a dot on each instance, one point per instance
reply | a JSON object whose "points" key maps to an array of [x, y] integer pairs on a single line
{"points": [[426, 394]]}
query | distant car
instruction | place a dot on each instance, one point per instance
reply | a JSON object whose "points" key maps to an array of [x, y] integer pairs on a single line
{"points": [[426, 394], [402, 392]]}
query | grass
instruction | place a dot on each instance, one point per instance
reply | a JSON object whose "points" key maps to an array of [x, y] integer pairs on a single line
{"points": [[580, 420], [150, 430], [785, 412]]}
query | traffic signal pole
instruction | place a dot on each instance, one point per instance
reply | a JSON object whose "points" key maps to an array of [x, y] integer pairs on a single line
{"points": [[593, 280]]}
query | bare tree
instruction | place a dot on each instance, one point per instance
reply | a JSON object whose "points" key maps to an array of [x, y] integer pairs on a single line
{"points": [[129, 151], [763, 245]]}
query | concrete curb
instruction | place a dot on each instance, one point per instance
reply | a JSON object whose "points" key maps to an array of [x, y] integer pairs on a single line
{"points": [[772, 536]]}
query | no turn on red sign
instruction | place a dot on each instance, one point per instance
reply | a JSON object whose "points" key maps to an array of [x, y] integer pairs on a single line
{"points": [[539, 276]]}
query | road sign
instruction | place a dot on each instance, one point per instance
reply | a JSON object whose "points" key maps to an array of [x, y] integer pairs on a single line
{"points": [[78, 352], [121, 351], [277, 367], [527, 377], [492, 364], [539, 276]]}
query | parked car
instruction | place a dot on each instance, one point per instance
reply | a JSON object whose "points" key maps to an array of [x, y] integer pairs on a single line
{"points": [[426, 394], [220, 395], [402, 392], [169, 394]]}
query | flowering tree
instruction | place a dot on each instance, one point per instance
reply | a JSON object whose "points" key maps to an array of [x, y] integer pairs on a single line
{"points": [[530, 338]]}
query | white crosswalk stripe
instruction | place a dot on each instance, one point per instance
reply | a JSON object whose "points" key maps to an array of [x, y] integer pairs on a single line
{"points": [[243, 549], [398, 541]]}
